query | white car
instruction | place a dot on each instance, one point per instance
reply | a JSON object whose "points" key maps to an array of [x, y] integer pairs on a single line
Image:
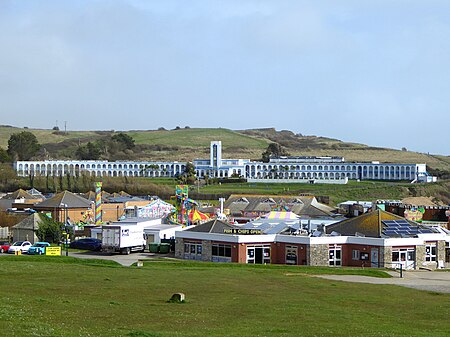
{"points": [[23, 246]]}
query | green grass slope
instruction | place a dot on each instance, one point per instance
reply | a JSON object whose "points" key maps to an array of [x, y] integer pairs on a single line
{"points": [[50, 299], [187, 144]]}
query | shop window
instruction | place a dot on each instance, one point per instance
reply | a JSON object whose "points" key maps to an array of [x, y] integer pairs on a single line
{"points": [[221, 253], [291, 254], [192, 251]]}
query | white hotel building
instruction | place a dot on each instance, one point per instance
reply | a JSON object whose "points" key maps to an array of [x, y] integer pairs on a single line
{"points": [[332, 170]]}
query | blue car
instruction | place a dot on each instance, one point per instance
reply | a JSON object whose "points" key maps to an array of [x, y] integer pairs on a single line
{"points": [[87, 244], [38, 248]]}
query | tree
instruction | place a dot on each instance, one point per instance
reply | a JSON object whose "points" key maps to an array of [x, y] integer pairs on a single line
{"points": [[273, 150], [90, 151], [149, 169], [4, 156], [23, 145], [49, 230], [125, 140], [188, 176], [7, 173]]}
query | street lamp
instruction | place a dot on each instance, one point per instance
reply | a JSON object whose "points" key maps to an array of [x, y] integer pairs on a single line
{"points": [[66, 227]]}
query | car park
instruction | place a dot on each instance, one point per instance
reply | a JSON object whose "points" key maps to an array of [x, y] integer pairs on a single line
{"points": [[87, 244], [21, 246], [4, 246], [38, 248]]}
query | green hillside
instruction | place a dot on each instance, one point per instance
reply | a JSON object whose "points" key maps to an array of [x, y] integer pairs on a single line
{"points": [[187, 144]]}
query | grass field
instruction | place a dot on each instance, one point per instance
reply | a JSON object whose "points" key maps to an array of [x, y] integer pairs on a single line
{"points": [[365, 190], [68, 297], [198, 138]]}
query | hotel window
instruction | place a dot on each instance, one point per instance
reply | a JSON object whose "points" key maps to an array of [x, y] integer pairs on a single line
{"points": [[355, 254], [430, 252]]}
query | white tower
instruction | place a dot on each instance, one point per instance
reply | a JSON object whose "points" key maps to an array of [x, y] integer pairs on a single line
{"points": [[216, 154]]}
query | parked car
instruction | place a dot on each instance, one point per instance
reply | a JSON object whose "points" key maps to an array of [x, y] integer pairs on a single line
{"points": [[87, 243], [4, 246], [38, 248], [23, 246]]}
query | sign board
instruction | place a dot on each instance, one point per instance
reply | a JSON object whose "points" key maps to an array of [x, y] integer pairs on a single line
{"points": [[53, 251], [413, 215], [242, 231]]}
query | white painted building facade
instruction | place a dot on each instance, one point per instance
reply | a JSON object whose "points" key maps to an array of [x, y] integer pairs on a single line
{"points": [[283, 169]]}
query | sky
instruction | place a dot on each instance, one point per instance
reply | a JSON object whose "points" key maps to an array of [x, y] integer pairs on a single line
{"points": [[371, 72]]}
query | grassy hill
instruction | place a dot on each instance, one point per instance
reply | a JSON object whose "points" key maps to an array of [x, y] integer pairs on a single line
{"points": [[186, 144], [70, 297]]}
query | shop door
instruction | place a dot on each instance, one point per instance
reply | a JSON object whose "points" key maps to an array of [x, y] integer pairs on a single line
{"points": [[374, 261], [258, 255], [410, 257], [335, 259], [404, 257]]}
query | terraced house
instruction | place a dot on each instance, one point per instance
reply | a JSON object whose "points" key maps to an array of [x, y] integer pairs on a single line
{"points": [[333, 170]]}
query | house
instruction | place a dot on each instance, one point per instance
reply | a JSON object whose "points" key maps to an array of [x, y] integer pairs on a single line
{"points": [[26, 229], [353, 208], [20, 200], [66, 206]]}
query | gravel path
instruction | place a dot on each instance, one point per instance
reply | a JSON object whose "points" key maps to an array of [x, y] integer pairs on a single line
{"points": [[436, 281]]}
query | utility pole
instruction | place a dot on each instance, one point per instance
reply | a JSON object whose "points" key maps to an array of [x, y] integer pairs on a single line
{"points": [[65, 127]]}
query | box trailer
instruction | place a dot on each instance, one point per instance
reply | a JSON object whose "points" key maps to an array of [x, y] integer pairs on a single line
{"points": [[123, 239]]}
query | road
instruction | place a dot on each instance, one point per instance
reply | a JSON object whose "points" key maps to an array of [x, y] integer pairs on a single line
{"points": [[435, 281], [124, 260]]}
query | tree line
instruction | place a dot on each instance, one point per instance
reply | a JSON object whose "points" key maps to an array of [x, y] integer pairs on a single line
{"points": [[25, 146]]}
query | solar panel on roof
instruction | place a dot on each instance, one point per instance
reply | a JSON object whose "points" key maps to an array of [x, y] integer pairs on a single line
{"points": [[389, 232]]}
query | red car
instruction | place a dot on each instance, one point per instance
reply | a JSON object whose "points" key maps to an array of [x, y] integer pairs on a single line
{"points": [[4, 246]]}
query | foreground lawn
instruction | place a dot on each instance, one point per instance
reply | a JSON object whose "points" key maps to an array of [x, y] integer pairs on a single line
{"points": [[70, 297]]}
